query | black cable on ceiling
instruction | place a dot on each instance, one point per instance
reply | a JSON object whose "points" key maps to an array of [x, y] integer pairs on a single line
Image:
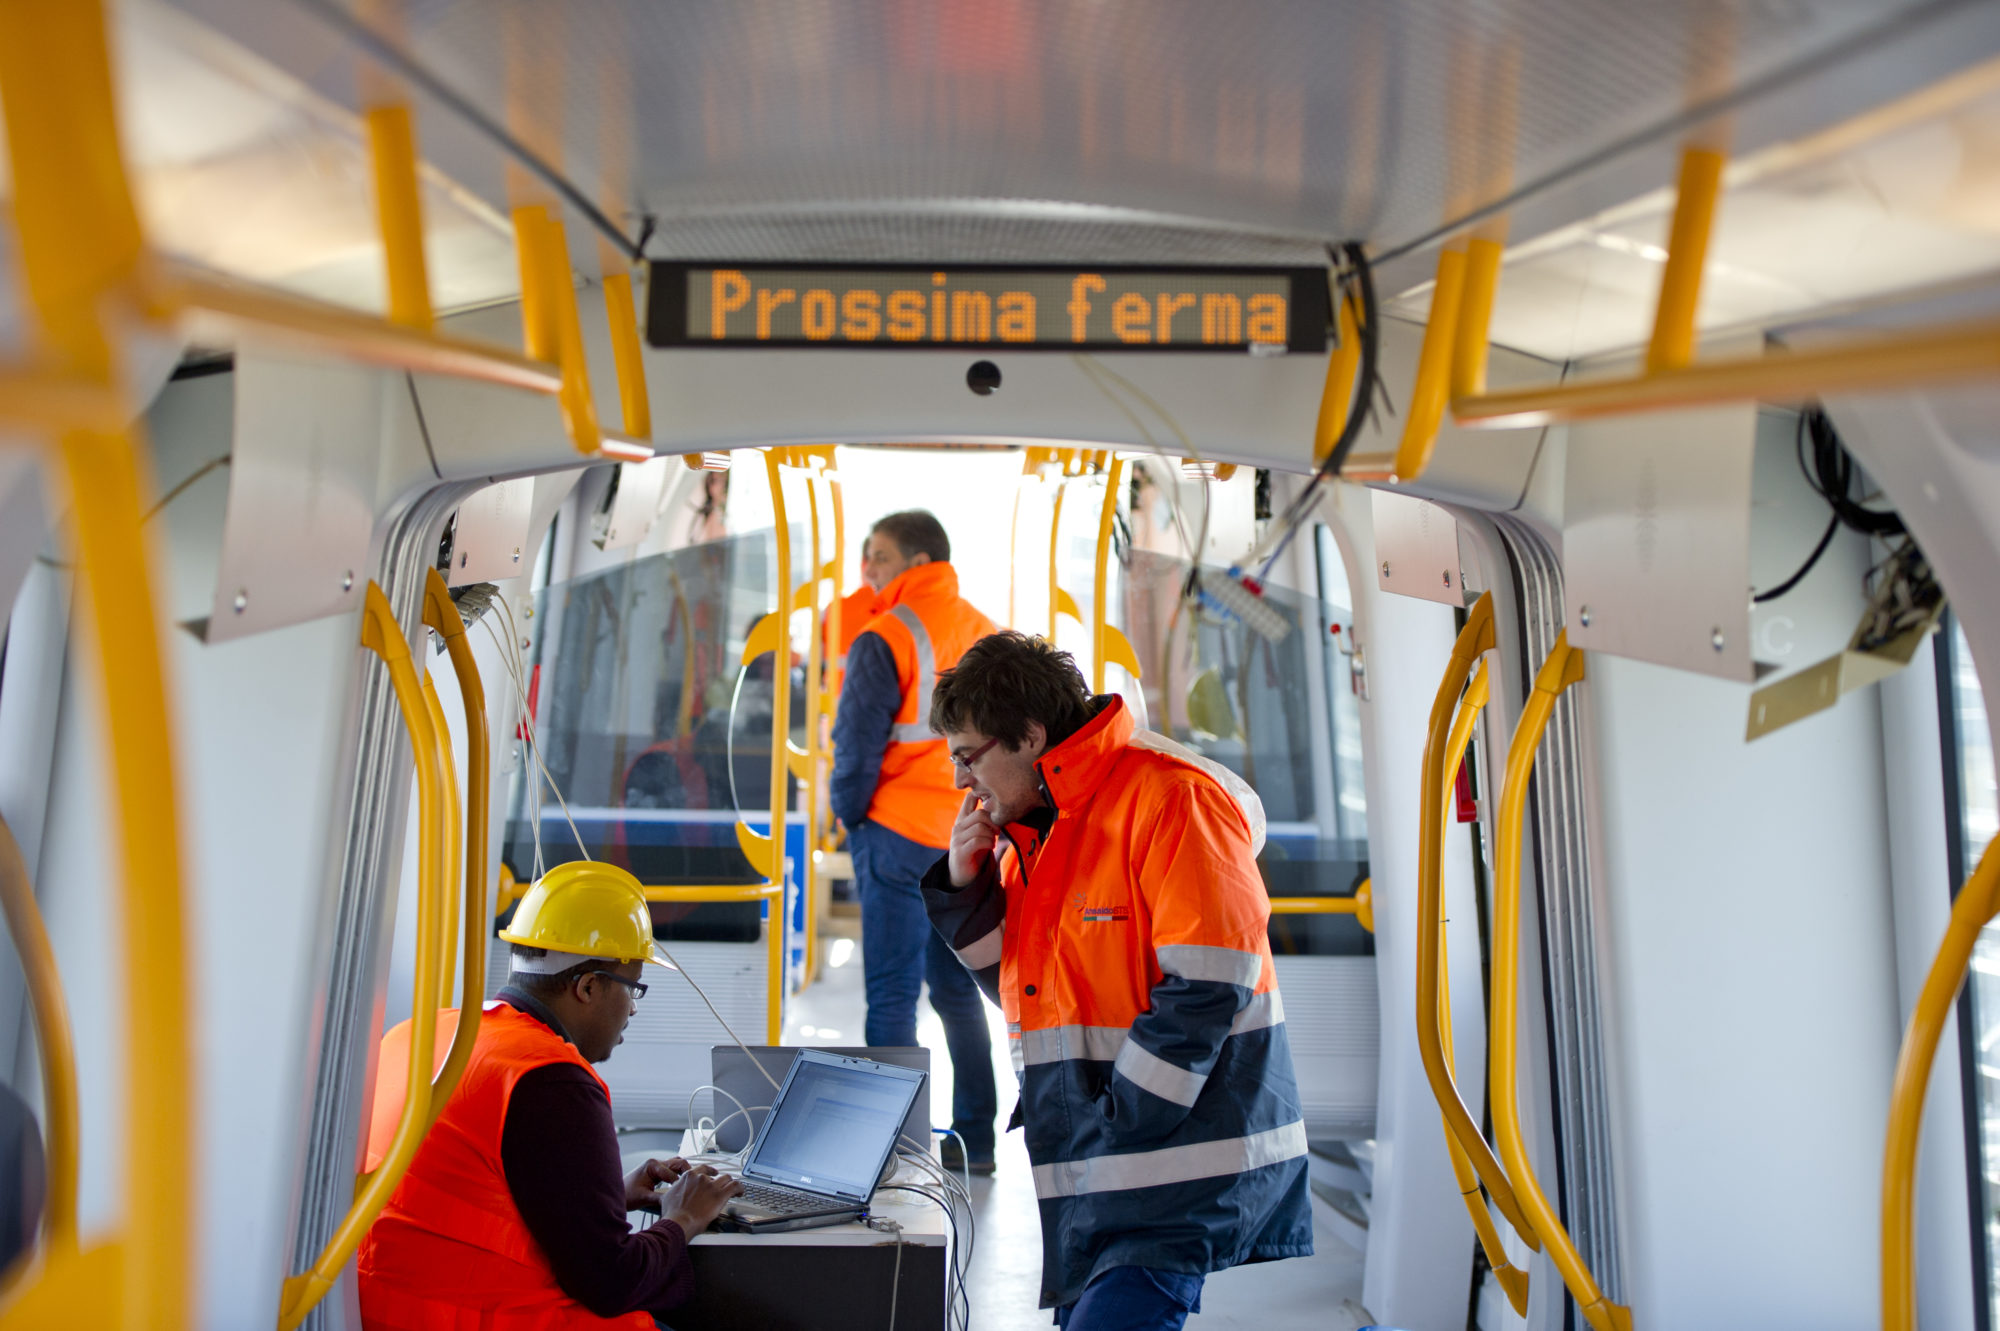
{"points": [[388, 54], [1829, 469]]}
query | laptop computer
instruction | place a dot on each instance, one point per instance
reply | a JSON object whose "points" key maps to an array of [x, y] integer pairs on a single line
{"points": [[822, 1149], [741, 1076]]}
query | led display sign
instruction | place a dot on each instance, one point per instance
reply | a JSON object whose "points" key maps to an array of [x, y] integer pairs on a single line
{"points": [[1101, 308]]}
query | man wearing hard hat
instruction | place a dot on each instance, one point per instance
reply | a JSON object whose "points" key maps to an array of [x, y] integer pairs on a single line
{"points": [[513, 1213]]}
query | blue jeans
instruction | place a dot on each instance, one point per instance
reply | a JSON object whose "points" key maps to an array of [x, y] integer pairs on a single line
{"points": [[1133, 1298], [899, 951]]}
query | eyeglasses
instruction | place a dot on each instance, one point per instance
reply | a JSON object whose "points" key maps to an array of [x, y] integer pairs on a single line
{"points": [[965, 764], [638, 989]]}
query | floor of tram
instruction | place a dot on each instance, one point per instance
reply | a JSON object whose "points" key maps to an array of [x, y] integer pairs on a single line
{"points": [[1005, 1277]]}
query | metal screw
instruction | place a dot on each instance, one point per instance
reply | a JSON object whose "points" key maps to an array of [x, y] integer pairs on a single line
{"points": [[1385, 568], [347, 581], [517, 554], [1447, 577], [1583, 615], [1715, 639], [525, 644], [241, 603], [528, 612], [465, 559]]}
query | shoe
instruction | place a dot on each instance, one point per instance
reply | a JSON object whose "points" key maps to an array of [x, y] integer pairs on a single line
{"points": [[952, 1155]]}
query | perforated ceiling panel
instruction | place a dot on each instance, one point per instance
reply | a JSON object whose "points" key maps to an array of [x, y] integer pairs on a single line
{"points": [[1009, 129]]}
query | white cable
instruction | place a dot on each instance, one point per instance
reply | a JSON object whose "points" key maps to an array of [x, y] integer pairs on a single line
{"points": [[520, 676]]}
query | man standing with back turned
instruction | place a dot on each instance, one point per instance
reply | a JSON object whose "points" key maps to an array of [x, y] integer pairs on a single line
{"points": [[1102, 886], [892, 786]]}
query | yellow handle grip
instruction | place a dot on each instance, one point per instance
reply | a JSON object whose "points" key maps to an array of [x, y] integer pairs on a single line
{"points": [[1563, 668], [442, 616], [52, 1038], [1513, 1280], [381, 634], [1977, 902], [1473, 641]]}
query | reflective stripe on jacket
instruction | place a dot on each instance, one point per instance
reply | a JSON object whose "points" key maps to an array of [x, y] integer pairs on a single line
{"points": [[927, 626], [1128, 949], [450, 1252]]}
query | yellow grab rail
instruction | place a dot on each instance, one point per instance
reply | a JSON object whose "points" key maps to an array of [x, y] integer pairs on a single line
{"points": [[52, 1040], [1338, 391], [79, 251], [1699, 187], [454, 838], [1563, 668], [702, 892], [399, 213], [1432, 389], [1474, 640], [1977, 903], [381, 634], [1475, 316], [1361, 905], [1513, 1280], [634, 402], [443, 618]]}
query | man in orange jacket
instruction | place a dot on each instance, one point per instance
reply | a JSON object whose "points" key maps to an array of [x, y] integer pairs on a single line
{"points": [[512, 1215], [1102, 885], [892, 787]]}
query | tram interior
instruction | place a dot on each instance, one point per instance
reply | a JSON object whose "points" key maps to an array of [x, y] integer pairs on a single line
{"points": [[1546, 450]]}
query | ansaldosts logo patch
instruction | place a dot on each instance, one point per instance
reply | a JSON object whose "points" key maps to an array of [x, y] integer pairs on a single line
{"points": [[1106, 914]]}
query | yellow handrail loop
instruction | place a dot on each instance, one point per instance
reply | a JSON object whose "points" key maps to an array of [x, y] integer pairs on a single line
{"points": [[52, 1041], [443, 618], [1978, 901], [381, 634], [1513, 1280], [1563, 668], [80, 254], [1474, 640]]}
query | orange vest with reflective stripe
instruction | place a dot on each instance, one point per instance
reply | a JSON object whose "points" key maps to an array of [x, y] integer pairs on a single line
{"points": [[928, 626], [450, 1252]]}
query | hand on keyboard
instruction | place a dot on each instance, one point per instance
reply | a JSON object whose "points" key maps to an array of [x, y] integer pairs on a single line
{"points": [[697, 1197]]}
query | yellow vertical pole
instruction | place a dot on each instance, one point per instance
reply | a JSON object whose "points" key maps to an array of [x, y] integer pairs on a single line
{"points": [[1339, 390], [1055, 533], [80, 250], [392, 150], [781, 738], [1475, 315], [815, 752], [625, 354], [1433, 384], [1687, 254], [836, 609], [1100, 582], [538, 330]]}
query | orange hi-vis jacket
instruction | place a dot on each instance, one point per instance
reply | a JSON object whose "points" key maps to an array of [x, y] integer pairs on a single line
{"points": [[927, 626], [1125, 938], [450, 1252]]}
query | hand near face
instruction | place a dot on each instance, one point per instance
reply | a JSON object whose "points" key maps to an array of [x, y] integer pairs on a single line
{"points": [[972, 840]]}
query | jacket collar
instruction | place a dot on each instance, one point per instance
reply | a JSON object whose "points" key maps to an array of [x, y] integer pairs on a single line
{"points": [[922, 583], [1074, 770], [523, 1001]]}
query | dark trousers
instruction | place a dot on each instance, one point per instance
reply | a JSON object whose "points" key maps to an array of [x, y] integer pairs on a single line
{"points": [[899, 951]]}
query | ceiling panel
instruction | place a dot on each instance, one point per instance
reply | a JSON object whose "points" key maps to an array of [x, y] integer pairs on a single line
{"points": [[991, 128]]}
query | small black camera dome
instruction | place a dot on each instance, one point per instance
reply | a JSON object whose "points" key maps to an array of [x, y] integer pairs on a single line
{"points": [[983, 378]]}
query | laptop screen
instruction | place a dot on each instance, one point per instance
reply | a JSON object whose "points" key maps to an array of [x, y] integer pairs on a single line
{"points": [[834, 1124]]}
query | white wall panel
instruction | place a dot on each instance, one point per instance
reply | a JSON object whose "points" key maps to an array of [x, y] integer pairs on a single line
{"points": [[1753, 1001]]}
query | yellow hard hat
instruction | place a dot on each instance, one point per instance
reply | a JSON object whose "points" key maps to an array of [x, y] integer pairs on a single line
{"points": [[587, 909]]}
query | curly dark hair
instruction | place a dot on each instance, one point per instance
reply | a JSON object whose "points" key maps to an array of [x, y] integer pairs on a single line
{"points": [[1004, 681]]}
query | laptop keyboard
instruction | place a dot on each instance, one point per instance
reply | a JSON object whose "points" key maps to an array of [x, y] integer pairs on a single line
{"points": [[783, 1201]]}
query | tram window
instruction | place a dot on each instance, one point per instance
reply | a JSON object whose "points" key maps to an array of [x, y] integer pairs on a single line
{"points": [[1970, 774], [645, 710], [1245, 701]]}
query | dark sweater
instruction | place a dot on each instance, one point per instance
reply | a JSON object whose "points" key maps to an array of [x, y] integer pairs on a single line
{"points": [[559, 1149]]}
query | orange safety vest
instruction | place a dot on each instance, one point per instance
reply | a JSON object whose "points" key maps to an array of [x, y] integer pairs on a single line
{"points": [[450, 1252], [928, 626]]}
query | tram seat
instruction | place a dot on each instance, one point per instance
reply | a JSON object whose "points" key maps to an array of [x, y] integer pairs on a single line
{"points": [[23, 1177], [1335, 1032]]}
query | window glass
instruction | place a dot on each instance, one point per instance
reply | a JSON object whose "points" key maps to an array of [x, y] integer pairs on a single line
{"points": [[650, 727], [1266, 709]]}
